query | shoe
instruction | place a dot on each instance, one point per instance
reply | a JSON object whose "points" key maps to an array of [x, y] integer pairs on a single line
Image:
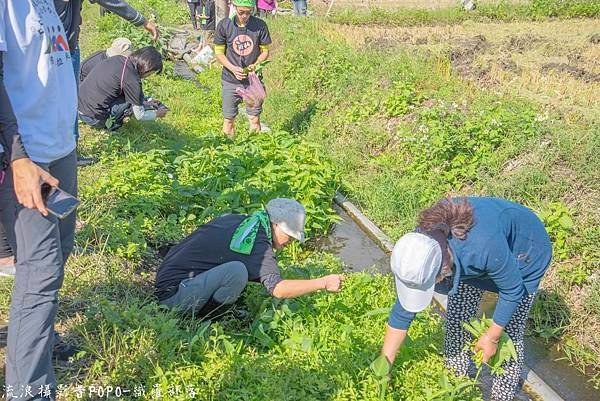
{"points": [[85, 161], [7, 270], [63, 351], [264, 128]]}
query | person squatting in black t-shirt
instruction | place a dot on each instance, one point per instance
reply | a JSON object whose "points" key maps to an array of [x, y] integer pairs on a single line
{"points": [[206, 272], [119, 47], [113, 90]]}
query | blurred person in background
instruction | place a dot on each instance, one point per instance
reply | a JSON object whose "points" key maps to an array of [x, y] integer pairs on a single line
{"points": [[266, 8], [300, 7]]}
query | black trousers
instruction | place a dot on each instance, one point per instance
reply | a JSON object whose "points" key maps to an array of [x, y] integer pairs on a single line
{"points": [[5, 249], [195, 10]]}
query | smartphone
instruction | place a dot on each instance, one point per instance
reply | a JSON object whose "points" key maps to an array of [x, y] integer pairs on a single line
{"points": [[58, 202]]}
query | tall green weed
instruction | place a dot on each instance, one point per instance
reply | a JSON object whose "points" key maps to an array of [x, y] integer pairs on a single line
{"points": [[155, 197]]}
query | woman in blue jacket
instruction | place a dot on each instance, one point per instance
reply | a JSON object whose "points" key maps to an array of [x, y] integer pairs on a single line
{"points": [[467, 246]]}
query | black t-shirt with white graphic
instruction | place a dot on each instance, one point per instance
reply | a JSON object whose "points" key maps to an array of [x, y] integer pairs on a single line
{"points": [[242, 44], [208, 247], [114, 80]]}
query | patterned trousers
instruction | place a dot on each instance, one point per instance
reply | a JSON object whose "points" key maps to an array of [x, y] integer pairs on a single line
{"points": [[462, 307]]}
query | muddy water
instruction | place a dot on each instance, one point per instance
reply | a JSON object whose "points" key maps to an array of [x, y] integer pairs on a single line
{"points": [[358, 252], [349, 243]]}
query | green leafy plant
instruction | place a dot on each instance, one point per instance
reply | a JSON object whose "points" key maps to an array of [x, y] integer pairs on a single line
{"points": [[156, 196], [449, 391], [559, 224], [314, 347], [574, 274], [257, 68], [381, 369], [505, 350], [447, 143], [402, 99], [548, 316]]}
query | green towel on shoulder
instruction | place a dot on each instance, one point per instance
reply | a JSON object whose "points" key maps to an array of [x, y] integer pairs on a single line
{"points": [[244, 236]]}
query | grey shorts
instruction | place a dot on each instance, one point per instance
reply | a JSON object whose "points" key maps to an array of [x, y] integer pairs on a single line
{"points": [[232, 100]]}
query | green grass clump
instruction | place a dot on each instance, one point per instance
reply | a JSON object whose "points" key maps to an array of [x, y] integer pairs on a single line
{"points": [[154, 197], [503, 11], [311, 348]]}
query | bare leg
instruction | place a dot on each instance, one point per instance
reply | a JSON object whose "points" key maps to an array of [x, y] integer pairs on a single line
{"points": [[7, 261], [229, 127], [254, 123]]}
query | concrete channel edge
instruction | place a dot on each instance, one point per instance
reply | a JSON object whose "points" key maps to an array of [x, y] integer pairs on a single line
{"points": [[534, 382]]}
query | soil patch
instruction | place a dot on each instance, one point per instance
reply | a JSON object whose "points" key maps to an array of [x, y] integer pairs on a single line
{"points": [[385, 43], [508, 64], [575, 72], [463, 56], [520, 43]]}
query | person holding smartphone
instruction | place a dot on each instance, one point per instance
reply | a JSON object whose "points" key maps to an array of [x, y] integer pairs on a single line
{"points": [[38, 103]]}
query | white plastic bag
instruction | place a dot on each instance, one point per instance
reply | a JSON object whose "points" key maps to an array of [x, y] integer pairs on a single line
{"points": [[204, 56]]}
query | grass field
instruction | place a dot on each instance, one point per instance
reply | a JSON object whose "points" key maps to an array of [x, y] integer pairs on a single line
{"points": [[443, 13], [524, 92], [395, 116]]}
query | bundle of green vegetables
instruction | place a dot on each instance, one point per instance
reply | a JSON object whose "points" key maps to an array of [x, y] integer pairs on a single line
{"points": [[258, 67], [504, 353]]}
